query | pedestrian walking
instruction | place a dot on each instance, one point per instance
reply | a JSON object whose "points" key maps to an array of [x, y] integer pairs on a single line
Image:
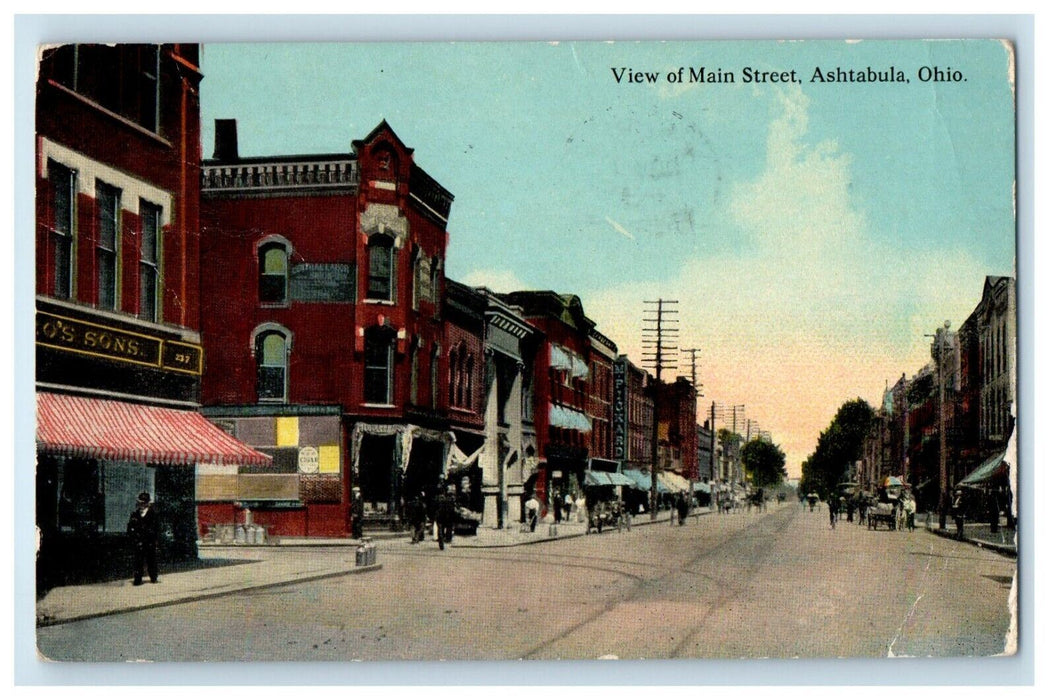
{"points": [[834, 511], [445, 517], [355, 514], [558, 505], [418, 518], [958, 512], [683, 508], [911, 511], [531, 512], [143, 529]]}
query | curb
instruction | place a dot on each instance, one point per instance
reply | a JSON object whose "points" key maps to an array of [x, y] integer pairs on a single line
{"points": [[554, 538], [195, 597], [1004, 549]]}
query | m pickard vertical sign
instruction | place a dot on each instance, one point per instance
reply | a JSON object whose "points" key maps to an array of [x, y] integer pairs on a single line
{"points": [[619, 409]]}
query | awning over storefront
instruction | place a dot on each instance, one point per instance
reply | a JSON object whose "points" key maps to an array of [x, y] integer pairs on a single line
{"points": [[702, 487], [591, 478], [559, 358], [674, 482], [561, 417], [643, 480], [76, 426], [993, 468]]}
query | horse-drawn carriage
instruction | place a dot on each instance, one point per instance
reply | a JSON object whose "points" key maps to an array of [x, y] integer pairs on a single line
{"points": [[608, 514], [881, 513]]}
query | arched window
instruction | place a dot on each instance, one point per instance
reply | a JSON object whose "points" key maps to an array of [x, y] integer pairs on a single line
{"points": [[377, 373], [469, 382], [422, 280], [273, 259], [434, 377], [272, 364], [452, 377], [414, 373], [381, 272]]}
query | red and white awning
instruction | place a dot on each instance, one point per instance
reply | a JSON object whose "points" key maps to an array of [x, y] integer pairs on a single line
{"points": [[76, 426]]}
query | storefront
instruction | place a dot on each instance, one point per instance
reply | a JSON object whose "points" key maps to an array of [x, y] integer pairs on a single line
{"points": [[94, 457], [391, 462]]}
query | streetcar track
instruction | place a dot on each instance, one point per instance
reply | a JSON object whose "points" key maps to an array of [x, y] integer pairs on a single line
{"points": [[734, 539]]}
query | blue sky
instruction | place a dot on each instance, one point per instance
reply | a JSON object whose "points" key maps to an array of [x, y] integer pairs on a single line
{"points": [[812, 233]]}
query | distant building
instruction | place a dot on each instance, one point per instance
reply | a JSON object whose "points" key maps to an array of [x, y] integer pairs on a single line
{"points": [[632, 415], [510, 452], [677, 408]]}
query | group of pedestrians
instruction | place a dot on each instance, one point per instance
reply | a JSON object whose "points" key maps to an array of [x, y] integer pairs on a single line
{"points": [[445, 514]]}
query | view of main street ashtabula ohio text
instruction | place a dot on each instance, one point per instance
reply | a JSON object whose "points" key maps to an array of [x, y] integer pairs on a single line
{"points": [[534, 350]]}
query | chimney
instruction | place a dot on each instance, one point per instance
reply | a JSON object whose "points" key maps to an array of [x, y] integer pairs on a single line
{"points": [[225, 145]]}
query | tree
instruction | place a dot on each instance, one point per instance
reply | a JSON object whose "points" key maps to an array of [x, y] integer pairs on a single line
{"points": [[838, 447], [764, 463]]}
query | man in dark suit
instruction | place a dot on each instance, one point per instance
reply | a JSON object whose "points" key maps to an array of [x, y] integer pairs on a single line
{"points": [[143, 529]]}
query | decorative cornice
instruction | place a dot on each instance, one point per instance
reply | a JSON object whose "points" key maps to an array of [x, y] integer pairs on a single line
{"points": [[280, 176]]}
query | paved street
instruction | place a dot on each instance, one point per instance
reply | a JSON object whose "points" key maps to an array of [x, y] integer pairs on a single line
{"points": [[775, 584]]}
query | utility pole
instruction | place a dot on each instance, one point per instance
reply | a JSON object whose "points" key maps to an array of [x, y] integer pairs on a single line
{"points": [[692, 352], [735, 440], [659, 333], [939, 355]]}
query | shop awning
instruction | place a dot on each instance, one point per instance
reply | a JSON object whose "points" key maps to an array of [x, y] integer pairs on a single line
{"points": [[674, 482], [991, 469], [559, 358], [570, 419], [606, 479], [76, 426], [643, 480], [702, 486]]}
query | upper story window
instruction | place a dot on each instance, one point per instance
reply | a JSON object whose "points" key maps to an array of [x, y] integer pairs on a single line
{"points": [[272, 364], [378, 370], [415, 369], [454, 384], [434, 377], [274, 261], [63, 185], [381, 274], [108, 207], [122, 78], [149, 260], [422, 280]]}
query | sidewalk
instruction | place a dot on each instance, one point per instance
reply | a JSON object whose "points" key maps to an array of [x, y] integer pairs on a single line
{"points": [[1003, 541], [227, 569]]}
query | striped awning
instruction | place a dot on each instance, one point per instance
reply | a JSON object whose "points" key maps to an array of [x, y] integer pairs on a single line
{"points": [[676, 483], [76, 426], [592, 478]]}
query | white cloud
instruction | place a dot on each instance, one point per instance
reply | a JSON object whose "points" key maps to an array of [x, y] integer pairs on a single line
{"points": [[815, 311]]}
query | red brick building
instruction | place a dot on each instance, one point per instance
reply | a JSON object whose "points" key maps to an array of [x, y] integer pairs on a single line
{"points": [[118, 350], [323, 289], [632, 415], [561, 388], [677, 406], [602, 356]]}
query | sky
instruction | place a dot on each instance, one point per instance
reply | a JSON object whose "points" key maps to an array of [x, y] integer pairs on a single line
{"points": [[813, 233]]}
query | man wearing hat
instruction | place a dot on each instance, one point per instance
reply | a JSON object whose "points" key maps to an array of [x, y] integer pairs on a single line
{"points": [[356, 513], [143, 529]]}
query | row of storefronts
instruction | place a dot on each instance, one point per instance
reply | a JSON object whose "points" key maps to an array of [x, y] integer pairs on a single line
{"points": [[273, 340], [950, 426]]}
